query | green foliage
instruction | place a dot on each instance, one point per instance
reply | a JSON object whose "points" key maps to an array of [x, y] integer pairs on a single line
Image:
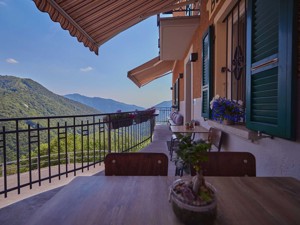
{"points": [[26, 98], [193, 152], [67, 151]]}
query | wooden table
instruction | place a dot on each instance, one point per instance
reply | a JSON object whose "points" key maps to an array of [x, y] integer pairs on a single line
{"points": [[183, 129], [138, 200]]}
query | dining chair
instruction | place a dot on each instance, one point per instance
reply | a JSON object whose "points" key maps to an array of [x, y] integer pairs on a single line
{"points": [[233, 164], [215, 137], [136, 164]]}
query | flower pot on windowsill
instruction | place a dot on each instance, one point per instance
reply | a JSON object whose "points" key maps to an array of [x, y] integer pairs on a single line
{"points": [[225, 108], [228, 122]]}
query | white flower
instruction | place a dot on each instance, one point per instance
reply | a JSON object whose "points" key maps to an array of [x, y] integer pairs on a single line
{"points": [[211, 103], [240, 102], [214, 99]]}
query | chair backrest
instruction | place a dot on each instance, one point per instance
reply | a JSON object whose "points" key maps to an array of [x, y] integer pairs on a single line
{"points": [[136, 164], [215, 137], [233, 164]]}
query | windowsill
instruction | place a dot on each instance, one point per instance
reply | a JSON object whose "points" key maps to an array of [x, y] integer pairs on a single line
{"points": [[238, 130]]}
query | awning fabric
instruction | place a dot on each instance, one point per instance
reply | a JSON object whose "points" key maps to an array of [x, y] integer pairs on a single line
{"points": [[149, 71], [93, 22], [176, 34]]}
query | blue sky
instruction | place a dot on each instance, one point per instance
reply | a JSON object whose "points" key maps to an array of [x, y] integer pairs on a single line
{"points": [[33, 46]]}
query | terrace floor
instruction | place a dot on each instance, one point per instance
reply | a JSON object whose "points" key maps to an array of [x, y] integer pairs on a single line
{"points": [[17, 208]]}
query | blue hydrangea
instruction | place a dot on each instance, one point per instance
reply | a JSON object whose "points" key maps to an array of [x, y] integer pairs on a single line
{"points": [[223, 108]]}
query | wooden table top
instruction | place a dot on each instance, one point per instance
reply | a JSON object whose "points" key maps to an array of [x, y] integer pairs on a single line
{"points": [[183, 129], [128, 200]]}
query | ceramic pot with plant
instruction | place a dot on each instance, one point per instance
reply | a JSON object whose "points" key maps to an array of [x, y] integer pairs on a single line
{"points": [[193, 200]]}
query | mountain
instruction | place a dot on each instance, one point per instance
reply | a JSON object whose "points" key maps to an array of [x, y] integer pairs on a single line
{"points": [[164, 104], [103, 104], [25, 98]]}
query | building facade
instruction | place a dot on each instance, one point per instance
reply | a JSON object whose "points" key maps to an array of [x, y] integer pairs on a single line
{"points": [[246, 50]]}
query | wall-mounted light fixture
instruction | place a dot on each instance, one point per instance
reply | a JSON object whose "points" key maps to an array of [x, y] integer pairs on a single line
{"points": [[194, 56], [181, 75]]}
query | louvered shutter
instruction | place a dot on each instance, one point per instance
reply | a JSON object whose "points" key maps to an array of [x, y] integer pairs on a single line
{"points": [[207, 47], [270, 66], [176, 94]]}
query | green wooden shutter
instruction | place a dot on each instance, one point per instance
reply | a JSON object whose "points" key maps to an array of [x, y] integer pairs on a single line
{"points": [[176, 95], [270, 64], [207, 59]]}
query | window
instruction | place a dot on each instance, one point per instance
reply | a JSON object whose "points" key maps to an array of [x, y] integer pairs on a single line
{"points": [[176, 95], [235, 52], [260, 65], [192, 9], [271, 35], [207, 71]]}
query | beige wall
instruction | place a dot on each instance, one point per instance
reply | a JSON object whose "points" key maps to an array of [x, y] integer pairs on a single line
{"points": [[274, 157], [178, 68]]}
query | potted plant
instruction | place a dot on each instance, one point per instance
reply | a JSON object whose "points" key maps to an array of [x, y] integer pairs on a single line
{"points": [[119, 119], [143, 116], [227, 111], [193, 201]]}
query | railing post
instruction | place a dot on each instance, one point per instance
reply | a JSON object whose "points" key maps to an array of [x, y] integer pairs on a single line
{"points": [[18, 156], [49, 149], [74, 143], [39, 154], [109, 134], [2, 168], [152, 123]]}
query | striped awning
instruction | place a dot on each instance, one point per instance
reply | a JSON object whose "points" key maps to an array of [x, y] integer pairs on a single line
{"points": [[149, 71], [93, 22]]}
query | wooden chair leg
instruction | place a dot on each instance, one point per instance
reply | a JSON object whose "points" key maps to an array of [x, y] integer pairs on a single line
{"points": [[179, 167]]}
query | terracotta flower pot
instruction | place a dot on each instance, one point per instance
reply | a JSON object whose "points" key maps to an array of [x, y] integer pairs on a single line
{"points": [[228, 122]]}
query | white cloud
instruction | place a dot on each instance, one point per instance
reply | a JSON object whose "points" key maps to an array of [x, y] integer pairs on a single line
{"points": [[12, 61], [2, 3], [87, 69]]}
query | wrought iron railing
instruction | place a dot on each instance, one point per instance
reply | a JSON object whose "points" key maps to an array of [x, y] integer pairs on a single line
{"points": [[37, 149], [163, 114]]}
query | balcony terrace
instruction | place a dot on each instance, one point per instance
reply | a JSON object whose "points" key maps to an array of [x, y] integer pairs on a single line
{"points": [[21, 208], [44, 164], [32, 171], [25, 203]]}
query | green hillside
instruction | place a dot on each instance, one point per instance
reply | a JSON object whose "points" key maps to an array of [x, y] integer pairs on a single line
{"points": [[25, 97]]}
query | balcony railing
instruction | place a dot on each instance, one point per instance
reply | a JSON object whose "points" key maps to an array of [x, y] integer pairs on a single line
{"points": [[163, 114], [37, 149]]}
